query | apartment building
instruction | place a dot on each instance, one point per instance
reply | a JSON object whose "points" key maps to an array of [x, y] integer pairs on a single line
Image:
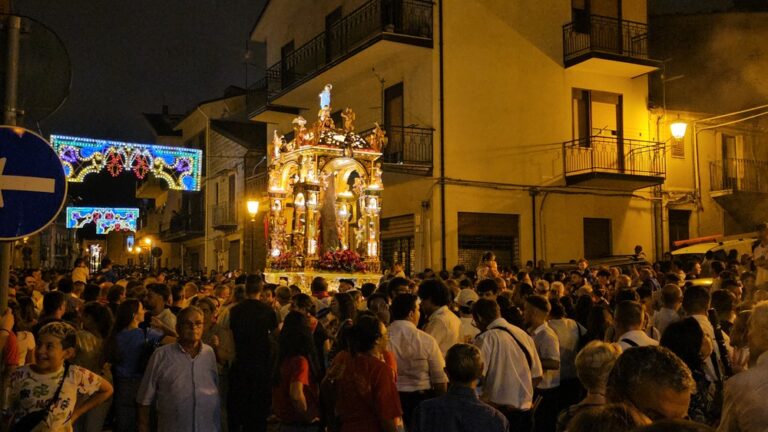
{"points": [[517, 127]]}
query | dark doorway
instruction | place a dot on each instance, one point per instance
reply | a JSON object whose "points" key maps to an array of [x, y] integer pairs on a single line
{"points": [[597, 238], [394, 120], [678, 226]]}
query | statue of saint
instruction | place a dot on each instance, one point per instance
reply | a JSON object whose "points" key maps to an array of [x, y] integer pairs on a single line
{"points": [[325, 97]]}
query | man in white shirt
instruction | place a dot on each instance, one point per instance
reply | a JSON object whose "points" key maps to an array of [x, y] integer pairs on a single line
{"points": [[695, 304], [629, 326], [671, 298], [536, 311], [468, 330], [442, 324], [512, 366], [420, 363]]}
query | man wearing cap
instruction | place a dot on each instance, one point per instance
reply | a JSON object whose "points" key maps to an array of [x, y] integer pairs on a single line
{"points": [[467, 332], [760, 254]]}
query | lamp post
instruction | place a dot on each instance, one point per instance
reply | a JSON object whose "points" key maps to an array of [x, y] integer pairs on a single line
{"points": [[148, 242], [253, 210]]}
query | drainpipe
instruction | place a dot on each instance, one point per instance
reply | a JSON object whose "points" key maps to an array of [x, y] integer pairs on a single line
{"points": [[443, 263], [533, 192]]}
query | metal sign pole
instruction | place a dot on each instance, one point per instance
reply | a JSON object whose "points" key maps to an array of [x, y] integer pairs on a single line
{"points": [[9, 118]]}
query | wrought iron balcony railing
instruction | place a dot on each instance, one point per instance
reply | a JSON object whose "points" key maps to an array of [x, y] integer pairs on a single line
{"points": [[224, 215], [605, 35], [182, 226], [407, 145], [612, 155], [742, 175], [409, 20]]}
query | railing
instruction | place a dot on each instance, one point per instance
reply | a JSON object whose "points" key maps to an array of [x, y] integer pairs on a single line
{"points": [[225, 215], [402, 17], [607, 35], [615, 156], [406, 145], [182, 225], [745, 175]]}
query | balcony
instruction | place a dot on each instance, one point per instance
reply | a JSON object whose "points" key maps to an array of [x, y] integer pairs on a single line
{"points": [[224, 217], [740, 187], [605, 45], [391, 28], [408, 150], [182, 227], [608, 162]]}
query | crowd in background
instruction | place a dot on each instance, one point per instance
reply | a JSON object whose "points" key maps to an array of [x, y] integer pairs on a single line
{"points": [[669, 346]]}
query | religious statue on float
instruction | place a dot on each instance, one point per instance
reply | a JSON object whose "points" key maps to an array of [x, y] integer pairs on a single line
{"points": [[325, 195]]}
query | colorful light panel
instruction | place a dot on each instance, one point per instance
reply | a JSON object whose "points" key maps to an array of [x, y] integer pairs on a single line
{"points": [[106, 219], [178, 166]]}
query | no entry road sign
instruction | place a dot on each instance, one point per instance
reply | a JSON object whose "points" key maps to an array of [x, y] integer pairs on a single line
{"points": [[33, 187]]}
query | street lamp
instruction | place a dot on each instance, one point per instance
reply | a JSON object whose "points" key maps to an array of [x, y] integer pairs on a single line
{"points": [[678, 129], [148, 242], [253, 209]]}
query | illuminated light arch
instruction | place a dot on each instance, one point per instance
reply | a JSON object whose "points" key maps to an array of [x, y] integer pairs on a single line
{"points": [[178, 166], [107, 219]]}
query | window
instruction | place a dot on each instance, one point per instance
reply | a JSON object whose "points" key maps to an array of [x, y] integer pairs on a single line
{"points": [[678, 147], [481, 232], [597, 238]]}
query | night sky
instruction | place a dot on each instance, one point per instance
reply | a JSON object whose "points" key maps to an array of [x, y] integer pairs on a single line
{"points": [[130, 57]]}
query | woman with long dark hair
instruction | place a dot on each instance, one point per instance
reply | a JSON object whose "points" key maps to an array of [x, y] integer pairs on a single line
{"points": [[344, 311], [686, 339], [295, 395], [127, 351], [364, 384]]}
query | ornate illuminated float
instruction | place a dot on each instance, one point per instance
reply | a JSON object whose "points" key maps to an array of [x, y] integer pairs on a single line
{"points": [[325, 201]]}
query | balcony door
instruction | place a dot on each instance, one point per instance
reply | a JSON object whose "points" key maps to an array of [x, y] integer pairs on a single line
{"points": [[394, 120], [732, 148], [598, 123]]}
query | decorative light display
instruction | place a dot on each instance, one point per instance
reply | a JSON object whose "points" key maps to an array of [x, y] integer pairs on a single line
{"points": [[325, 197], [106, 219], [178, 166]]}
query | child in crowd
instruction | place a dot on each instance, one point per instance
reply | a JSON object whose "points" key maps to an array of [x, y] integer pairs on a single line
{"points": [[43, 396]]}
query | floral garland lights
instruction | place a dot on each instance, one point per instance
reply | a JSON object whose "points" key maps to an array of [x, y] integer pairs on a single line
{"points": [[106, 219], [178, 166]]}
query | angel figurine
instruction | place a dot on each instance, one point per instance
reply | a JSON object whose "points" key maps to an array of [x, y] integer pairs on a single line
{"points": [[277, 144], [378, 139], [349, 119]]}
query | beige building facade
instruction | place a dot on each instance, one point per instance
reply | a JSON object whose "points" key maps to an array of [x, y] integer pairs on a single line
{"points": [[523, 128]]}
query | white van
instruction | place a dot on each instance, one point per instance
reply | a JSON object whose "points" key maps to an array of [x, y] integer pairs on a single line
{"points": [[688, 253]]}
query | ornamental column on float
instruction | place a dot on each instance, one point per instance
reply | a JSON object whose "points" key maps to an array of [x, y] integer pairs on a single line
{"points": [[325, 200]]}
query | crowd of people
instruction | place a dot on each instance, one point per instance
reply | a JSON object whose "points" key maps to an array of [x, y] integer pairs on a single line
{"points": [[665, 347]]}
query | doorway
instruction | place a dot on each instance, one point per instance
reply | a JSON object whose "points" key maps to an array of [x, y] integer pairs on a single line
{"points": [[679, 222], [597, 238]]}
